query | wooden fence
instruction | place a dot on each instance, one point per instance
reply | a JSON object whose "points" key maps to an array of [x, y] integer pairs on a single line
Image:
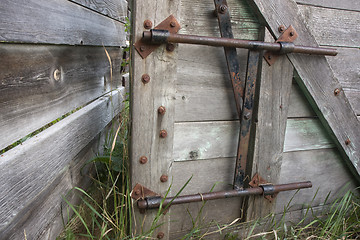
{"points": [[53, 61]]}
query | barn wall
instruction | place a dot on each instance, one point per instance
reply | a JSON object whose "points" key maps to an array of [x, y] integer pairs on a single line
{"points": [[201, 116], [54, 61]]}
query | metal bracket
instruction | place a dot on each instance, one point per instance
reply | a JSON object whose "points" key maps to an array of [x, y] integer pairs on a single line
{"points": [[286, 40], [141, 192], [258, 181], [145, 48]]}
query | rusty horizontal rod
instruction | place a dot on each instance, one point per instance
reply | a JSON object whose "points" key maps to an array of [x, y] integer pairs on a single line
{"points": [[162, 36], [154, 202]]}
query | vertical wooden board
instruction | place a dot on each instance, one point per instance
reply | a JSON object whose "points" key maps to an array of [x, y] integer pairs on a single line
{"points": [[324, 168], [31, 97], [332, 27], [273, 106], [316, 80], [217, 211], [116, 9], [299, 106], [146, 99], [23, 180], [345, 4], [57, 22]]}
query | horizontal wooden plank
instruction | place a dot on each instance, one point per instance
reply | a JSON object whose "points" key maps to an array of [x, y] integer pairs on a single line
{"points": [[345, 4], [332, 27], [326, 170], [31, 97], [116, 9], [206, 140], [198, 18], [29, 168], [57, 22]]}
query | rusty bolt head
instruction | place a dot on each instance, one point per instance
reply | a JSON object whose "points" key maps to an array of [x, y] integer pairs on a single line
{"points": [[172, 24], [161, 110], [142, 48], [281, 28], [170, 47], [222, 8], [137, 192], [143, 160], [163, 133], [164, 178], [336, 91], [145, 78], [147, 24], [292, 33], [160, 235], [269, 57], [347, 142]]}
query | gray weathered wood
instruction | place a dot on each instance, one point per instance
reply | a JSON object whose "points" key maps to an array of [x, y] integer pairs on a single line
{"points": [[345, 4], [30, 96], [331, 26], [317, 80], [29, 170], [299, 106], [116, 9], [57, 22], [326, 170], [205, 140], [146, 99], [274, 96]]}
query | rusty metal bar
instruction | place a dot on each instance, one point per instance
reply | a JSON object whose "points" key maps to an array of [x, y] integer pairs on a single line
{"points": [[154, 202], [162, 36]]}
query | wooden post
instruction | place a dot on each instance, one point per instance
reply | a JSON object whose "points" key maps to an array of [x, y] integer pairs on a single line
{"points": [[147, 123]]}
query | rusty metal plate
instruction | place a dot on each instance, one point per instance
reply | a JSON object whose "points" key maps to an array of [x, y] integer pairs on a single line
{"points": [[289, 35], [256, 181], [145, 48], [140, 192]]}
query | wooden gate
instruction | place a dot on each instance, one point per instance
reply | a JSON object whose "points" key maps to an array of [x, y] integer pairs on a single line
{"points": [[306, 125]]}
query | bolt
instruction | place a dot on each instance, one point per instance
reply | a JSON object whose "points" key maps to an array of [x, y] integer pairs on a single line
{"points": [[145, 78], [170, 47], [347, 142], [247, 116], [336, 91], [172, 24], [222, 8], [57, 74], [160, 235], [161, 110], [269, 57], [143, 160], [292, 33], [142, 48], [147, 24], [281, 28], [137, 192], [164, 178], [163, 134]]}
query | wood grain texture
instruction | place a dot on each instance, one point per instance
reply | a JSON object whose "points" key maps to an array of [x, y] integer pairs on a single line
{"points": [[146, 99], [28, 169], [205, 140], [30, 96], [345, 4], [273, 107], [317, 80], [197, 18], [57, 22], [332, 27], [326, 170], [116, 9]]}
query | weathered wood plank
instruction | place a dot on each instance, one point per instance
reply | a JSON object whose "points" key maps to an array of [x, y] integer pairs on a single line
{"points": [[57, 22], [146, 99], [317, 80], [326, 170], [197, 18], [331, 26], [205, 140], [31, 97], [116, 9], [345, 4], [22, 181], [299, 106], [274, 96]]}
